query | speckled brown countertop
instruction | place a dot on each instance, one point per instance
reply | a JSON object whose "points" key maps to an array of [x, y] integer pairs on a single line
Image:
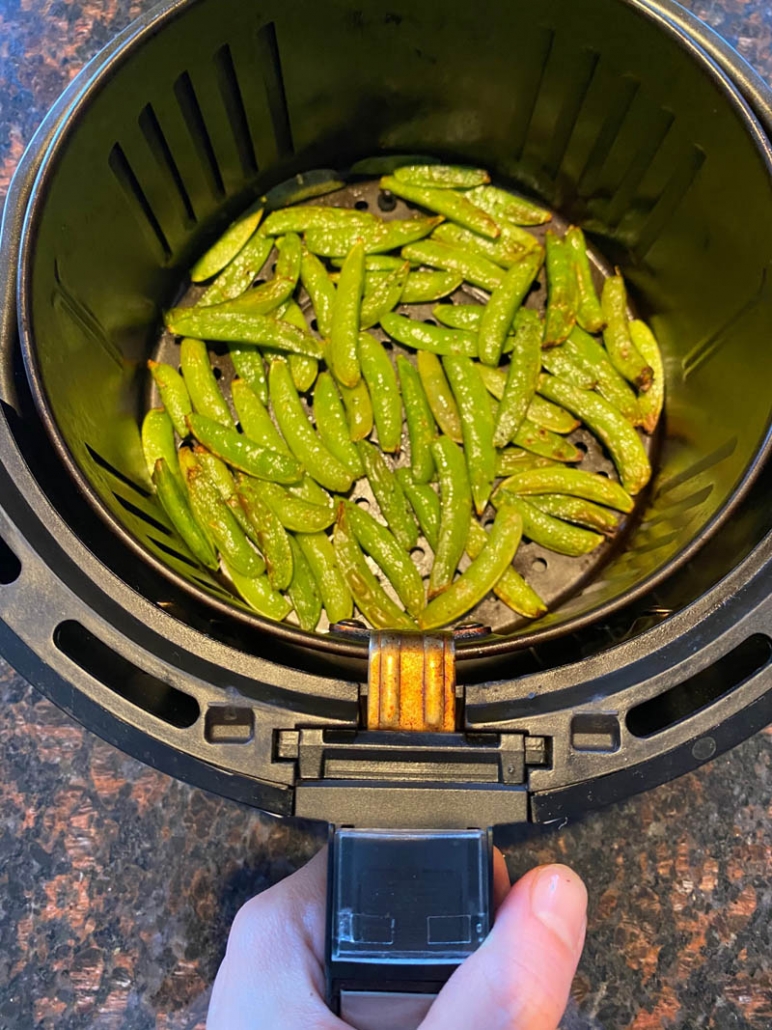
{"points": [[117, 884]]}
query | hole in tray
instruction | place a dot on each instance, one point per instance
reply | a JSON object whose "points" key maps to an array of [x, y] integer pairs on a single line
{"points": [[581, 446], [229, 724], [363, 502], [361, 205], [314, 325], [539, 565], [386, 201], [217, 372], [418, 553], [595, 732], [218, 347], [10, 566]]}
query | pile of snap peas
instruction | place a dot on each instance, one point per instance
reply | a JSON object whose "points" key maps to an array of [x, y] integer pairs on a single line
{"points": [[260, 486]]}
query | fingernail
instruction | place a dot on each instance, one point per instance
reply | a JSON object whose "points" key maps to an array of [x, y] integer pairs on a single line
{"points": [[559, 901]]}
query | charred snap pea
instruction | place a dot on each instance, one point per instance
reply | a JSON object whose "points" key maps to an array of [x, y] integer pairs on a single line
{"points": [[476, 426], [259, 594], [420, 421], [589, 312], [439, 394], [521, 383], [545, 443], [202, 386], [158, 440], [332, 425], [558, 362], [554, 534], [424, 287], [574, 482], [592, 358], [240, 273], [455, 512], [174, 500], [578, 510], [229, 244], [303, 591], [650, 403], [447, 177], [381, 380], [174, 394], [244, 454], [433, 338], [377, 238], [255, 419], [271, 536], [624, 355], [384, 297], [425, 503], [320, 289], [211, 511], [323, 466], [389, 495], [482, 575], [369, 596], [474, 267], [220, 477], [344, 329], [293, 512], [393, 560], [503, 205], [510, 246], [320, 555], [511, 588], [302, 186], [563, 293], [359, 409], [499, 312], [448, 203]]}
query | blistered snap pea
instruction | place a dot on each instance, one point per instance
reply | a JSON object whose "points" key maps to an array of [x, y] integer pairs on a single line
{"points": [[381, 380], [393, 560], [459, 316], [259, 594], [332, 425], [220, 477], [589, 314], [424, 287], [344, 330], [295, 513], [563, 293], [520, 388], [511, 245], [240, 273], [384, 297], [158, 440], [445, 202], [449, 177], [474, 267], [511, 588], [624, 355], [229, 244], [312, 216], [389, 495], [557, 361], [272, 537], [302, 369], [545, 443], [439, 394], [420, 421], [320, 555], [303, 591], [455, 512], [359, 409], [249, 365], [425, 503], [210, 510], [377, 238], [244, 454], [575, 482], [554, 534], [255, 419], [432, 338], [589, 355], [320, 289], [174, 394], [650, 403], [577, 509], [515, 459], [476, 426], [498, 314], [202, 386], [174, 499], [503, 205]]}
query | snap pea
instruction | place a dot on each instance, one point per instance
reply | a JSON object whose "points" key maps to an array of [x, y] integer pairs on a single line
{"points": [[476, 426], [257, 300], [244, 454], [592, 357], [392, 559], [303, 186], [304, 443], [545, 443], [474, 267], [320, 555], [359, 409], [511, 588], [272, 537], [202, 386], [563, 294], [425, 503], [381, 380], [187, 461], [344, 329], [650, 403], [459, 316], [515, 459], [420, 421], [452, 205], [589, 314], [578, 510], [235, 327], [575, 482], [229, 244], [174, 500], [174, 394], [423, 287], [320, 289], [433, 338], [540, 411], [455, 512], [210, 510], [449, 177], [219, 476], [389, 495], [504, 205], [554, 534], [520, 388], [295, 513], [557, 361], [439, 394], [482, 575], [309, 490], [158, 440], [289, 259], [386, 164], [332, 425], [375, 262], [611, 428], [259, 594], [624, 355], [249, 365], [303, 591], [384, 297], [369, 596], [312, 216], [255, 420], [302, 369], [511, 245], [498, 314], [240, 273], [379, 237]]}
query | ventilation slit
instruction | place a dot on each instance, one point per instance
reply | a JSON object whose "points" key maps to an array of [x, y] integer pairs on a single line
{"points": [[234, 106], [10, 566], [124, 173], [105, 464], [194, 119], [140, 514], [159, 147], [621, 102], [174, 553], [270, 61]]}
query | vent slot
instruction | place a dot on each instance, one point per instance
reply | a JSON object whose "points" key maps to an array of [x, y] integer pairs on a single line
{"points": [[127, 180], [194, 119], [173, 553], [144, 515], [595, 732], [103, 463], [10, 566], [270, 61], [233, 100], [133, 684], [703, 689], [159, 147], [229, 724]]}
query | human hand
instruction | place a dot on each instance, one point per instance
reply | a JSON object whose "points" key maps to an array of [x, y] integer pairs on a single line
{"points": [[272, 975]]}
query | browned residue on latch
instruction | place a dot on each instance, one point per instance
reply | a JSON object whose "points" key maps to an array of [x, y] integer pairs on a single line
{"points": [[412, 683]]}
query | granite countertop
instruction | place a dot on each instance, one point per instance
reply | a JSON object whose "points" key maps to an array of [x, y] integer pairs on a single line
{"points": [[118, 884]]}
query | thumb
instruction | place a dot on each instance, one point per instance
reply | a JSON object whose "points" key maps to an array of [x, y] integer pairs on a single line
{"points": [[520, 976]]}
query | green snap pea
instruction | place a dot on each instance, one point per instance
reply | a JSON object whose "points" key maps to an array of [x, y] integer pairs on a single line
{"points": [[444, 202], [545, 443], [202, 386], [476, 426], [320, 555], [244, 454], [310, 217], [220, 477], [504, 251], [433, 338], [459, 316], [439, 394], [255, 420], [474, 267], [575, 482], [650, 403], [290, 255], [424, 287], [249, 365], [229, 244], [420, 421], [384, 296], [309, 490], [374, 263], [369, 596], [557, 362], [391, 558], [272, 537], [344, 332], [259, 594], [258, 300], [554, 534], [589, 313], [174, 394], [303, 591], [577, 509], [174, 500], [378, 237], [515, 459], [236, 327], [381, 380], [593, 359], [425, 503], [563, 294], [455, 512], [624, 355], [304, 443], [295, 513], [482, 575], [302, 369], [332, 425], [210, 510], [499, 313], [389, 495], [320, 289], [520, 388], [359, 409], [511, 588], [158, 440], [386, 164], [449, 177], [240, 273], [503, 205], [303, 186], [551, 416], [611, 428]]}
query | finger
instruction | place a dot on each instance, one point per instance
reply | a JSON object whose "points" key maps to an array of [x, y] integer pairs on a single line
{"points": [[501, 881], [520, 976]]}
